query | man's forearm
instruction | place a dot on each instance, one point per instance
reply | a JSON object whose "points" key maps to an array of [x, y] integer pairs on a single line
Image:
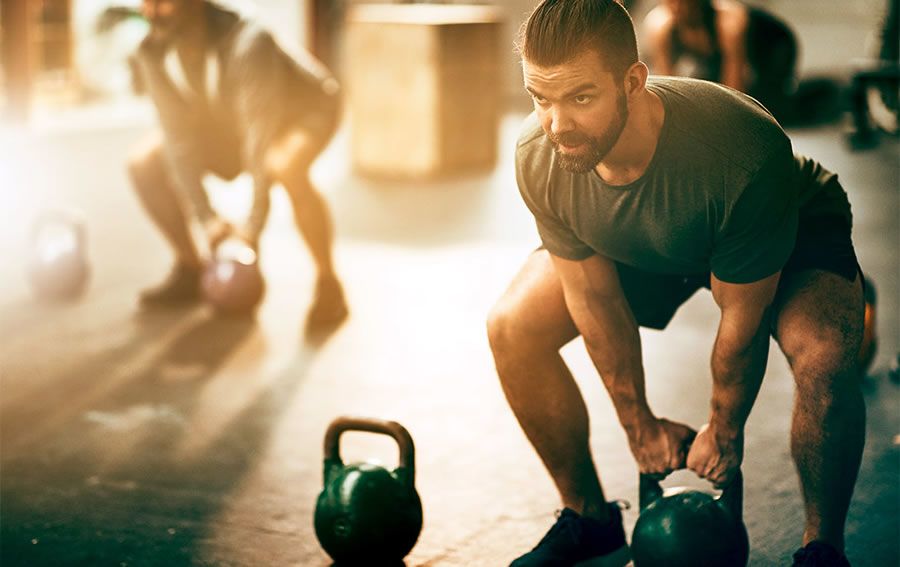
{"points": [[611, 336], [737, 371], [259, 210]]}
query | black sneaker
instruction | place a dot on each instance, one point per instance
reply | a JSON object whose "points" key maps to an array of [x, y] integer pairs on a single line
{"points": [[819, 554], [580, 541], [181, 286]]}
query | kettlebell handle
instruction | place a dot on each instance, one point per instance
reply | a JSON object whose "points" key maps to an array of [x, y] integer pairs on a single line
{"points": [[58, 216], [384, 427], [732, 497]]}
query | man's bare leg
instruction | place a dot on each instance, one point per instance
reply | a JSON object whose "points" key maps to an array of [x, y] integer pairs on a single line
{"points": [[819, 329], [526, 329]]}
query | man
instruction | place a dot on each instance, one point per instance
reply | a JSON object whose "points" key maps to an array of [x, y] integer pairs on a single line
{"points": [[746, 48], [644, 191], [230, 100]]}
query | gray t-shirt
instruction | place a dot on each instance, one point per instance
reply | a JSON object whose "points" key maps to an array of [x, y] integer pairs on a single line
{"points": [[722, 193]]}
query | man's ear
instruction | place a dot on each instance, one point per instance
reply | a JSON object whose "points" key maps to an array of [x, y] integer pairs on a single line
{"points": [[636, 78]]}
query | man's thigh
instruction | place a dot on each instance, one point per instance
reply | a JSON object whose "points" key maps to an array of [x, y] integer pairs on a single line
{"points": [[534, 304], [300, 143], [537, 295], [819, 305], [819, 319]]}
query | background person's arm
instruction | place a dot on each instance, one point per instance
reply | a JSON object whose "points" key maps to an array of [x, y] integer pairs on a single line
{"points": [[732, 30], [261, 102], [657, 31], [184, 157]]}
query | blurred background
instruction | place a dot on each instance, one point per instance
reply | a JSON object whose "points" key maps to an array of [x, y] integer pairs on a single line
{"points": [[183, 437]]}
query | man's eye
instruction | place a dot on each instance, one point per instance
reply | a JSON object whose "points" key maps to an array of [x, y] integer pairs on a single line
{"points": [[583, 99]]}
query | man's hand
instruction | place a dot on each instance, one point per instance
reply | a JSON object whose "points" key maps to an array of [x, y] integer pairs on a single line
{"points": [[660, 446], [217, 230], [716, 456], [247, 238]]}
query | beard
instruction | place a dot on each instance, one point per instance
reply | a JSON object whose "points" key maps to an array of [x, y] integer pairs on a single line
{"points": [[595, 147]]}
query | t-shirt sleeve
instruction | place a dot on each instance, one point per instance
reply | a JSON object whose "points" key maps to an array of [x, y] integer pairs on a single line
{"points": [[759, 233], [556, 237]]}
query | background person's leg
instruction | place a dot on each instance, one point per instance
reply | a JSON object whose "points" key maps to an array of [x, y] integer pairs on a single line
{"points": [[290, 161], [159, 197]]}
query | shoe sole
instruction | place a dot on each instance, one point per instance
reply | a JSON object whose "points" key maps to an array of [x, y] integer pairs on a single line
{"points": [[618, 558]]}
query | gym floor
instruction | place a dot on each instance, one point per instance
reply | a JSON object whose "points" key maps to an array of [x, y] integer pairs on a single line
{"points": [[182, 438], [179, 437]]}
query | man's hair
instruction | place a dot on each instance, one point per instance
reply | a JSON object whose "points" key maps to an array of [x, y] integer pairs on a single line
{"points": [[558, 30]]}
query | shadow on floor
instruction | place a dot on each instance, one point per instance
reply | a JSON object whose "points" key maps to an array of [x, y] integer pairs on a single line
{"points": [[97, 466]]}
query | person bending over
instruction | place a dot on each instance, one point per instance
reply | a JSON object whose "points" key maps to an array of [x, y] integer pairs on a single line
{"points": [[745, 48], [230, 100], [645, 190]]}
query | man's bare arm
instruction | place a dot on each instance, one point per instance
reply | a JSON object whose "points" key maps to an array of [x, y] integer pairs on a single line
{"points": [[738, 366], [601, 313], [741, 348]]}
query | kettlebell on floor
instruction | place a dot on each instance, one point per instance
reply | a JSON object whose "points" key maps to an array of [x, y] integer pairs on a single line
{"points": [[57, 257], [232, 282], [682, 527], [367, 514]]}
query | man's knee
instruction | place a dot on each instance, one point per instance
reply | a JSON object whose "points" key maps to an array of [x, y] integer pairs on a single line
{"points": [[146, 168], [511, 330], [531, 317], [500, 326], [824, 364], [819, 329], [291, 157]]}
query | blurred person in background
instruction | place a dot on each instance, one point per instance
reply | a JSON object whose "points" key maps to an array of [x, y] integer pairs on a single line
{"points": [[230, 100], [745, 48]]}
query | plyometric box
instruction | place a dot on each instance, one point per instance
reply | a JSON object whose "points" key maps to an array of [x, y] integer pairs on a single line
{"points": [[423, 86]]}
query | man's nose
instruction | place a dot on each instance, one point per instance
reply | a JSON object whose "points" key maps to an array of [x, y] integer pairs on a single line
{"points": [[560, 121]]}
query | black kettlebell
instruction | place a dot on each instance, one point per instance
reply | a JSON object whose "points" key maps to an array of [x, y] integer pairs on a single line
{"points": [[367, 514], [869, 344], [57, 256], [682, 527]]}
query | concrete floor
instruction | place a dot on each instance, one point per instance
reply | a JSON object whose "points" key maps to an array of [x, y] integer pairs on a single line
{"points": [[181, 438]]}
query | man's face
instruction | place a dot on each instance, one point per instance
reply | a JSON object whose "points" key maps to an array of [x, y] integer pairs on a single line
{"points": [[581, 107], [166, 17]]}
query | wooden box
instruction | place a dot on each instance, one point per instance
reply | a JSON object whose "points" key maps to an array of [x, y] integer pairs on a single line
{"points": [[423, 88]]}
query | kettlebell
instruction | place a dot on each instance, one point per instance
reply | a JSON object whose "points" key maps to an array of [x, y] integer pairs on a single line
{"points": [[869, 343], [682, 527], [57, 256], [367, 514], [232, 282]]}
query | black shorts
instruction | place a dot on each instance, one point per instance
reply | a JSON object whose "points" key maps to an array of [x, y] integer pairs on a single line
{"points": [[222, 144], [823, 243]]}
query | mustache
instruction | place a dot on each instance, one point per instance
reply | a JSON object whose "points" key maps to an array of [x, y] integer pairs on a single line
{"points": [[569, 138]]}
